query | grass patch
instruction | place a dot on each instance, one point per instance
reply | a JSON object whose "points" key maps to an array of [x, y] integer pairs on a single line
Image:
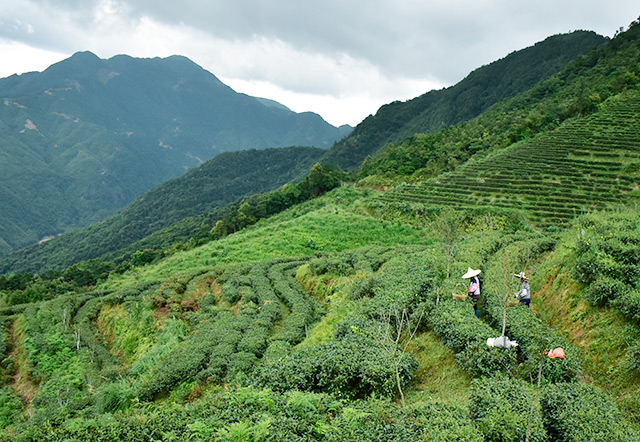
{"points": [[439, 378], [320, 230], [22, 383]]}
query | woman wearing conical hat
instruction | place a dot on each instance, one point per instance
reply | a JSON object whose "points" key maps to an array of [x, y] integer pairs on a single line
{"points": [[474, 287], [525, 292]]}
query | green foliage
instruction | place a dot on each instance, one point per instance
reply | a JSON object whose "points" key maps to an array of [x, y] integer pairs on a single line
{"points": [[574, 412], [607, 254], [506, 409], [233, 341], [568, 171], [10, 407], [516, 73], [576, 90], [457, 326], [352, 365], [532, 334], [210, 193], [247, 414]]}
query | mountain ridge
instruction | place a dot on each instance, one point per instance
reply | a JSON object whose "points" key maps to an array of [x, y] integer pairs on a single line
{"points": [[468, 98], [86, 136]]}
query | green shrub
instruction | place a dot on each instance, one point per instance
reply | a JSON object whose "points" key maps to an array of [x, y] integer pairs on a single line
{"points": [[501, 408], [457, 326], [378, 421], [582, 413], [352, 365], [114, 396], [10, 407]]}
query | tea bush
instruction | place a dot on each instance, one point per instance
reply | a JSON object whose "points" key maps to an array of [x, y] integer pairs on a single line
{"points": [[352, 365], [532, 334], [607, 254], [455, 323], [582, 413], [505, 409]]}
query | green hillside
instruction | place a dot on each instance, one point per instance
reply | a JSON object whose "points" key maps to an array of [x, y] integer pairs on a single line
{"points": [[586, 164], [214, 185], [518, 71], [487, 85], [87, 136], [281, 329], [332, 317]]}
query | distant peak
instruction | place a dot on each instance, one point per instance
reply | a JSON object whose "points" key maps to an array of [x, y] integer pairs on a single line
{"points": [[85, 55]]}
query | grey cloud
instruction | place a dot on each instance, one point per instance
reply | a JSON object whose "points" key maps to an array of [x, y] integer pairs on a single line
{"points": [[412, 38]]}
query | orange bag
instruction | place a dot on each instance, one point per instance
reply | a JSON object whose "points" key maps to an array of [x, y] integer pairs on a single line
{"points": [[556, 353]]}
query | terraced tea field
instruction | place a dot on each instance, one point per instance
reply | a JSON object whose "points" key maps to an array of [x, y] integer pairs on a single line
{"points": [[586, 164]]}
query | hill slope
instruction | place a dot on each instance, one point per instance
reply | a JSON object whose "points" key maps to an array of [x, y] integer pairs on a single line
{"points": [[86, 136], [586, 164], [515, 73], [217, 183]]}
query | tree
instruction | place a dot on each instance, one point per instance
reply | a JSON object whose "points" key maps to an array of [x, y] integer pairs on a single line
{"points": [[395, 333], [219, 230], [449, 228]]}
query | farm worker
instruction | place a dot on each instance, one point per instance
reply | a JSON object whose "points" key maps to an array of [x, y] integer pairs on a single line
{"points": [[474, 287], [525, 292]]}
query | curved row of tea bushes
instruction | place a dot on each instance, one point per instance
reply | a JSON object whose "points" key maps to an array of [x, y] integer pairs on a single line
{"points": [[262, 306], [247, 414]]}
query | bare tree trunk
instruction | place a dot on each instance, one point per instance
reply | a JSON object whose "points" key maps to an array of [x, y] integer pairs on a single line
{"points": [[396, 342], [533, 401], [76, 334]]}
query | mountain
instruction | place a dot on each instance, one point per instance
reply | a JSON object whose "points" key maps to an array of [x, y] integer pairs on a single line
{"points": [[573, 93], [218, 182], [485, 86], [86, 136], [132, 224]]}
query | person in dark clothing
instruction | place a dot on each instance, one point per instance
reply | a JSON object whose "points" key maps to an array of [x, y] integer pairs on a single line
{"points": [[474, 287]]}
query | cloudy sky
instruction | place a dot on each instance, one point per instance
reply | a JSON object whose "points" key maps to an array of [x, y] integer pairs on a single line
{"points": [[342, 59]]}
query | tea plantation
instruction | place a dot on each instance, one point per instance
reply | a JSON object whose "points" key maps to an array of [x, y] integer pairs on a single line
{"points": [[333, 317], [316, 347], [586, 164]]}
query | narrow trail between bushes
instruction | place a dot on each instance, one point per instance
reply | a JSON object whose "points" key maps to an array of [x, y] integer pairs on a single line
{"points": [[25, 387]]}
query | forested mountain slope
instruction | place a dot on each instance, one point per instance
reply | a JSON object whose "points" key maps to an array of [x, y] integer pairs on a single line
{"points": [[574, 92], [487, 85], [87, 136], [481, 88], [215, 184]]}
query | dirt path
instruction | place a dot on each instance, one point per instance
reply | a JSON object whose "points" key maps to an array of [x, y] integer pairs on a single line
{"points": [[22, 384]]}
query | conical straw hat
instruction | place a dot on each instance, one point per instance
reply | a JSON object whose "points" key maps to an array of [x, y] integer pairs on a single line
{"points": [[521, 275], [471, 273]]}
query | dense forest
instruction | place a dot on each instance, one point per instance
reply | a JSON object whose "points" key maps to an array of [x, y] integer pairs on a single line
{"points": [[332, 308], [87, 136]]}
